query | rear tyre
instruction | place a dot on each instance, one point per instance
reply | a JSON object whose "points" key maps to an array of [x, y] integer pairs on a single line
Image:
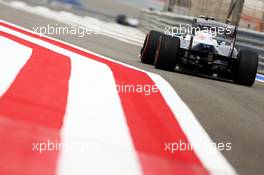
{"points": [[149, 48], [247, 68], [167, 56]]}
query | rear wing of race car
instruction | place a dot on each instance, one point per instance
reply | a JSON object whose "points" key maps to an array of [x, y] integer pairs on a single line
{"points": [[227, 31], [206, 23]]}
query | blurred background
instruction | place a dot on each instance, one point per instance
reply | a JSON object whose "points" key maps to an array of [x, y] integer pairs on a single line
{"points": [[246, 13], [251, 14]]}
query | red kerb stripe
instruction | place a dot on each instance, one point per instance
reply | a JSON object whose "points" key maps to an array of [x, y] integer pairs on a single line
{"points": [[32, 111]]}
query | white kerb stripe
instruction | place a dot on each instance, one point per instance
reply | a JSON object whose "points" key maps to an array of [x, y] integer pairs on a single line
{"points": [[95, 134], [211, 158], [13, 57]]}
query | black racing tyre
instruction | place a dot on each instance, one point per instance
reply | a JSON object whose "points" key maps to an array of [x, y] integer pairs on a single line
{"points": [[246, 70], [167, 55], [149, 48]]}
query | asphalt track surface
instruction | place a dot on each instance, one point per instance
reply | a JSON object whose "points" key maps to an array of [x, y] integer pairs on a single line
{"points": [[228, 112]]}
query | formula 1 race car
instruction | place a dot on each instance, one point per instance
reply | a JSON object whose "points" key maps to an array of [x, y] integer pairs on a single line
{"points": [[124, 20], [208, 49]]}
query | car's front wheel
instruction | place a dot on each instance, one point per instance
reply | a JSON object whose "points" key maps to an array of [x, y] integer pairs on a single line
{"points": [[246, 70], [167, 56]]}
